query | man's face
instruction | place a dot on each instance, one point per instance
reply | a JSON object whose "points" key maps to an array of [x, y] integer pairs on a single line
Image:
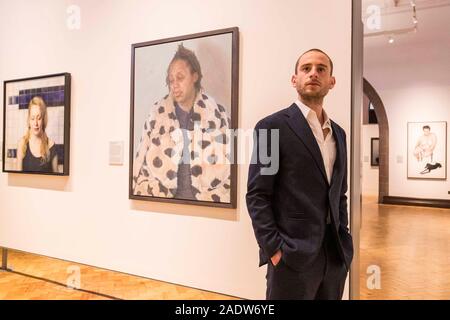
{"points": [[313, 79], [182, 82], [426, 131]]}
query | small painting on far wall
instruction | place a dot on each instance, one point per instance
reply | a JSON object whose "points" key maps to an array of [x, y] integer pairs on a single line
{"points": [[36, 123], [427, 150], [375, 152]]}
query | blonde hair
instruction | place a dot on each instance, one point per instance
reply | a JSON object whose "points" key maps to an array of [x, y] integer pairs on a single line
{"points": [[45, 151]]}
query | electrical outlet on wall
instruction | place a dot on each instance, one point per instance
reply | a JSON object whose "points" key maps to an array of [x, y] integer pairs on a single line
{"points": [[399, 159]]}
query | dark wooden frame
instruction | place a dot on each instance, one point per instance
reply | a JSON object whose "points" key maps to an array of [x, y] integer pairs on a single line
{"points": [[407, 154], [373, 163], [383, 126], [234, 116], [67, 98]]}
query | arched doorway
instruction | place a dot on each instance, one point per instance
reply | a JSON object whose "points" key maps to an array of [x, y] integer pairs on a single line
{"points": [[380, 111]]}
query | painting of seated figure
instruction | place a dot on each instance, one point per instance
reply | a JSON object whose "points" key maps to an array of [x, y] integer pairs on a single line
{"points": [[183, 112]]}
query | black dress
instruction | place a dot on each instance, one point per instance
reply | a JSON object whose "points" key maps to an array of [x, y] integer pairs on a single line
{"points": [[34, 164], [184, 174]]}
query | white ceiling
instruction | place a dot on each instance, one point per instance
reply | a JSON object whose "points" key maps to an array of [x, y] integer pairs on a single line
{"points": [[416, 58]]}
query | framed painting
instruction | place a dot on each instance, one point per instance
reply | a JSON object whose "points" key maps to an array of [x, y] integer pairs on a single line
{"points": [[36, 125], [375, 152], [184, 108], [427, 150]]}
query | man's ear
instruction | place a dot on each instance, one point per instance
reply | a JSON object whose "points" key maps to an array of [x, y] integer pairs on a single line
{"points": [[332, 82], [294, 81]]}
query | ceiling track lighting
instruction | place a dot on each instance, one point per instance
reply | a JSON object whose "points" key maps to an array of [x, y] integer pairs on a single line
{"points": [[391, 33], [415, 21]]}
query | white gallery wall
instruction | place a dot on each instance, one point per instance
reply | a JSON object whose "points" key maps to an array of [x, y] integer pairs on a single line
{"points": [[411, 77], [417, 103], [369, 180], [87, 217]]}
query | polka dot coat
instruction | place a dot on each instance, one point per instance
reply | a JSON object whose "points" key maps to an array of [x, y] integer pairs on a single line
{"points": [[161, 147]]}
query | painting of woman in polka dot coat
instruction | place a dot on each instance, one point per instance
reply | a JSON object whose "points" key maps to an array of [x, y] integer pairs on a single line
{"points": [[184, 149]]}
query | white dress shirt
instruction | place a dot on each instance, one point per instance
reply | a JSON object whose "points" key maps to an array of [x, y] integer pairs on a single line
{"points": [[327, 145]]}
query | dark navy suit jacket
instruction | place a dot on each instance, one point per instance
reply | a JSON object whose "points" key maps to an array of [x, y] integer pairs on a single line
{"points": [[289, 209]]}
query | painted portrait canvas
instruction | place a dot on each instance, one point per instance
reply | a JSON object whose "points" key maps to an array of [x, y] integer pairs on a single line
{"points": [[183, 111], [427, 150], [375, 152], [36, 123]]}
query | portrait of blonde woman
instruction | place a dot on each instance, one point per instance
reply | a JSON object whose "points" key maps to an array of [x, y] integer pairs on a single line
{"points": [[36, 135], [35, 151]]}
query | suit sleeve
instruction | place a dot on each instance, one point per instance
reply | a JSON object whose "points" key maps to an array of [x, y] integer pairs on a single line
{"points": [[260, 189], [343, 207]]}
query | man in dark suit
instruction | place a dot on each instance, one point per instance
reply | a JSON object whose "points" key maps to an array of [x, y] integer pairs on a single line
{"points": [[299, 211]]}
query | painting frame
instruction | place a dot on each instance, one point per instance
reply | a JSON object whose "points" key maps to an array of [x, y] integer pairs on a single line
{"points": [[58, 96], [374, 152], [433, 161], [233, 47]]}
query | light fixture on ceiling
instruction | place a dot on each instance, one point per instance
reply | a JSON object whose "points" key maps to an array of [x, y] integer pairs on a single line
{"points": [[390, 33], [415, 21]]}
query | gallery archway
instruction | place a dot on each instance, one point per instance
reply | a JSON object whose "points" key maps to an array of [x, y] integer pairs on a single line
{"points": [[380, 111]]}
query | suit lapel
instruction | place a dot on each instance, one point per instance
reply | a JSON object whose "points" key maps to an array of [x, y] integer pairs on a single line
{"points": [[337, 168], [300, 126]]}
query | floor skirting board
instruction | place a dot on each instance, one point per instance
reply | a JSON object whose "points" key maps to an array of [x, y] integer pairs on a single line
{"points": [[433, 203]]}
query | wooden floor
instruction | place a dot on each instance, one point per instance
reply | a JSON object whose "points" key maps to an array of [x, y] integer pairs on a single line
{"points": [[411, 246], [96, 284]]}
